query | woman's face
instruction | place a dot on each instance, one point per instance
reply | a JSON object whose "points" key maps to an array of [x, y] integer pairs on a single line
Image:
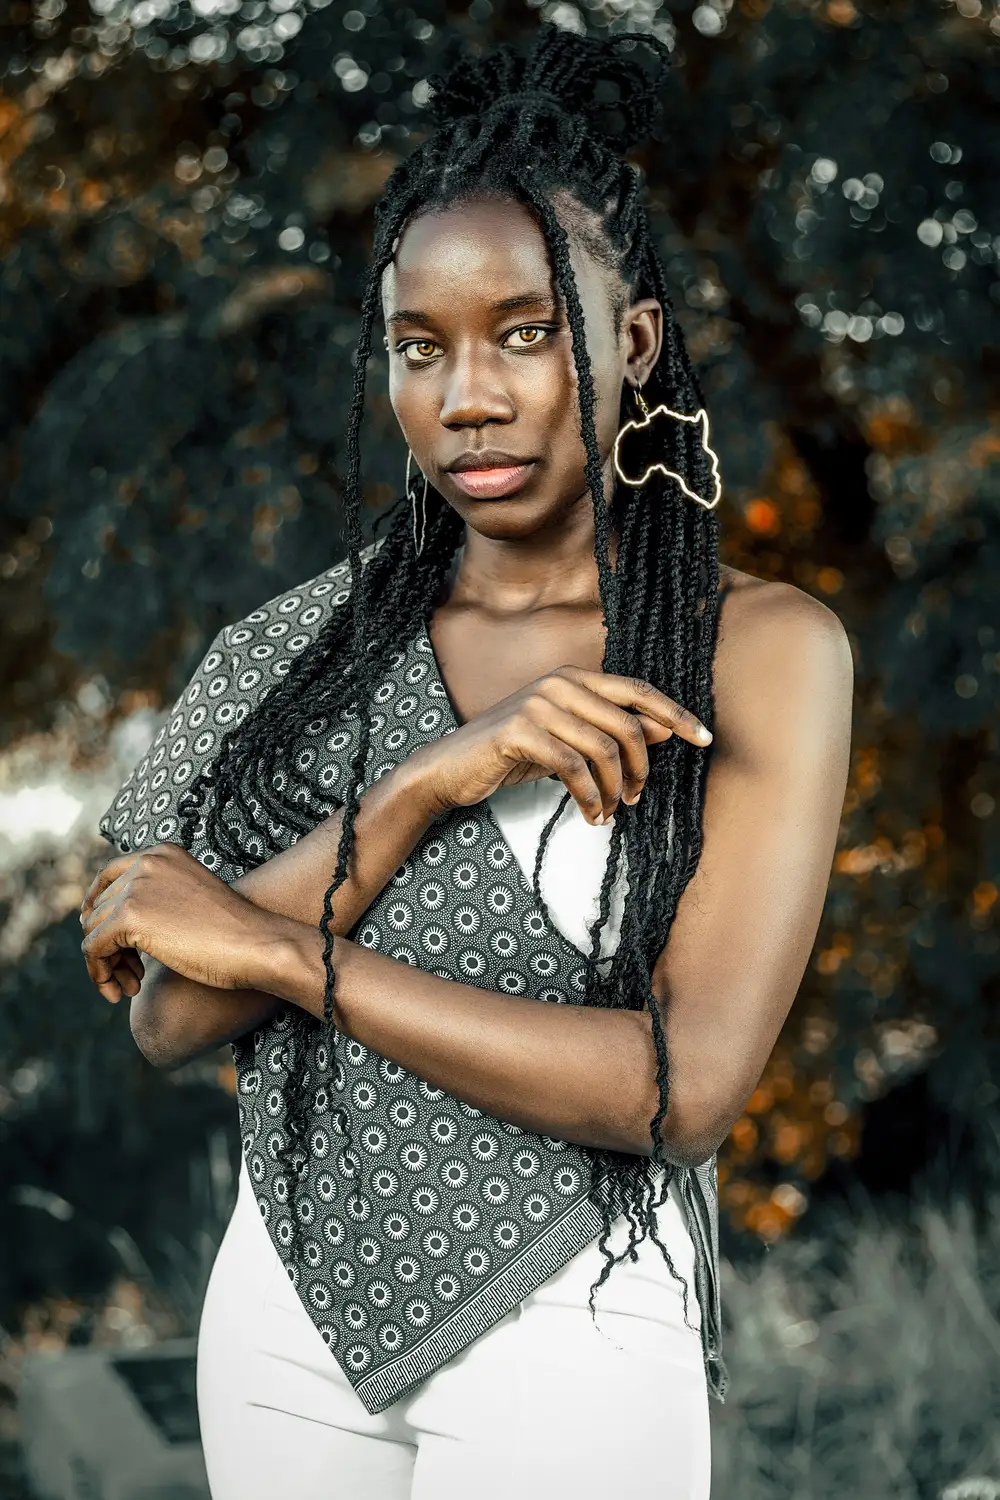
{"points": [[481, 364]]}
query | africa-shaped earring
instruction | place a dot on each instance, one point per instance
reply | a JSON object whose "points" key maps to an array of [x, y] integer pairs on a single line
{"points": [[701, 419], [418, 545]]}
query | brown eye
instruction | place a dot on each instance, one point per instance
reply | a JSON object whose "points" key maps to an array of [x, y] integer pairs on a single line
{"points": [[529, 336], [423, 347]]}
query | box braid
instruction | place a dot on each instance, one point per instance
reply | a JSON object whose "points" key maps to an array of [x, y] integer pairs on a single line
{"points": [[550, 135]]}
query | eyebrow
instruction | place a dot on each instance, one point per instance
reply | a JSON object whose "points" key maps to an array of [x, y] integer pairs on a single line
{"points": [[506, 304]]}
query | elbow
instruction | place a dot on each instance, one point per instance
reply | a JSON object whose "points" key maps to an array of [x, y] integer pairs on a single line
{"points": [[690, 1148], [703, 1103], [692, 1131], [162, 1052], [163, 1045]]}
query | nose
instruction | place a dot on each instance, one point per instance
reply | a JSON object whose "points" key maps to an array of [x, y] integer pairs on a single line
{"points": [[475, 393]]}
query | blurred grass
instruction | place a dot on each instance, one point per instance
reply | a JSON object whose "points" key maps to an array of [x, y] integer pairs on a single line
{"points": [[864, 1350], [157, 1293], [173, 1273], [866, 1362]]}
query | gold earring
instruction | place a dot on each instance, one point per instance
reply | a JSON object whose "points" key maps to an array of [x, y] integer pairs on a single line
{"points": [[418, 546], [701, 418]]}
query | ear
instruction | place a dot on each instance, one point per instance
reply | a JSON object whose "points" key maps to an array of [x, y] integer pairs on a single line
{"points": [[641, 339]]}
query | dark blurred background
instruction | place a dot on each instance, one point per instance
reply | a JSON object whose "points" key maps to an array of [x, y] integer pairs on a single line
{"points": [[185, 199]]}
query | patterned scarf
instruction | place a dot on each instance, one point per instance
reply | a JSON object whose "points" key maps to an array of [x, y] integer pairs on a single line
{"points": [[428, 1221]]}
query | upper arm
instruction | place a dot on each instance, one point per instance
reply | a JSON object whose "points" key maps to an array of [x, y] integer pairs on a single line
{"points": [[242, 665], [173, 1018], [747, 921], [146, 809]]}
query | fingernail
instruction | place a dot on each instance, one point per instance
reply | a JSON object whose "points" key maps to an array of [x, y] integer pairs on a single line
{"points": [[705, 735]]}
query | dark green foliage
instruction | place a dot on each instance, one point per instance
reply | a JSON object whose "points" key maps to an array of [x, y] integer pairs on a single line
{"points": [[86, 1120], [542, 136], [869, 434]]}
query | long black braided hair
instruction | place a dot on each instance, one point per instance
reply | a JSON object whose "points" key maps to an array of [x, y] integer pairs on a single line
{"points": [[547, 127]]}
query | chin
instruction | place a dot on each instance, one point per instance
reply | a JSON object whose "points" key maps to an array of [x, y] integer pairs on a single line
{"points": [[512, 517], [506, 521]]}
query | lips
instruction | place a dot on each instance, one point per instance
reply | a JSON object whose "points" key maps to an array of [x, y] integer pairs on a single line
{"points": [[491, 484]]}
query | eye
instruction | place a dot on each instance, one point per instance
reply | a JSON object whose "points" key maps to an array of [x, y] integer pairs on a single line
{"points": [[539, 335], [424, 348]]}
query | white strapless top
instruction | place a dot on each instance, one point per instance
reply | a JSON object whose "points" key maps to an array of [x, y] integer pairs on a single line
{"points": [[572, 870], [576, 857]]}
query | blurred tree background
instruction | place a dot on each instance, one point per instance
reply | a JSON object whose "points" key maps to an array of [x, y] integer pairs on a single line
{"points": [[185, 196]]}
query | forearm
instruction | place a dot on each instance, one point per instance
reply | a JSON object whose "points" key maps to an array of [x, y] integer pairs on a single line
{"points": [[580, 1074], [175, 1019], [393, 815]]}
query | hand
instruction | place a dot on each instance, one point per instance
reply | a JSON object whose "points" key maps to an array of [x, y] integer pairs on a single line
{"points": [[163, 902], [589, 729]]}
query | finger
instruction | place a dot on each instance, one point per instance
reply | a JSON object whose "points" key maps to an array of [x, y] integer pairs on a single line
{"points": [[595, 745], [113, 978], [641, 696], [105, 900], [575, 694], [128, 962], [116, 870], [99, 968], [569, 765], [104, 877], [125, 976], [102, 950], [627, 729], [132, 961], [116, 985]]}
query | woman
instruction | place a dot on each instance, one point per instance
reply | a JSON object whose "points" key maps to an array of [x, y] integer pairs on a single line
{"points": [[533, 731]]}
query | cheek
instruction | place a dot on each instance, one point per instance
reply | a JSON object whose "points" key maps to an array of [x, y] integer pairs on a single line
{"points": [[548, 393], [603, 357], [563, 417], [412, 401], [607, 392]]}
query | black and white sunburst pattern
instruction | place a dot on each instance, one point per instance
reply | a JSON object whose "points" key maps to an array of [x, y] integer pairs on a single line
{"points": [[435, 1219]]}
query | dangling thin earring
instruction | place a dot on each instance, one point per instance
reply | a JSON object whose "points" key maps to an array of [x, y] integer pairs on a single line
{"points": [[418, 546], [701, 417]]}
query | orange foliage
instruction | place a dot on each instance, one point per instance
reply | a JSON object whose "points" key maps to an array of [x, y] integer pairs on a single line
{"points": [[92, 196], [891, 426], [841, 13], [984, 897], [744, 1135], [763, 517], [787, 1139], [760, 1100], [983, 449], [797, 1121]]}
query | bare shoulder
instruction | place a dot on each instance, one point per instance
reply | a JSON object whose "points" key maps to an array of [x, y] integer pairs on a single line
{"points": [[781, 655], [756, 611]]}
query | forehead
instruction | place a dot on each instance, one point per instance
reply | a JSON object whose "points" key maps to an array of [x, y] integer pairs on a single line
{"points": [[465, 258]]}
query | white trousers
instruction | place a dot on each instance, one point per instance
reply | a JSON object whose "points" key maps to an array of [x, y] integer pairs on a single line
{"points": [[545, 1406]]}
